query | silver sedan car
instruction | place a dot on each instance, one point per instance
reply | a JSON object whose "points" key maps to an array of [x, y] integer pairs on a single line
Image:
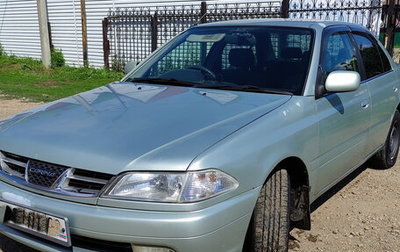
{"points": [[219, 141]]}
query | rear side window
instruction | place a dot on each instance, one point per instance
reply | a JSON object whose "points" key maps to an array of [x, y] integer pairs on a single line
{"points": [[385, 61], [371, 56]]}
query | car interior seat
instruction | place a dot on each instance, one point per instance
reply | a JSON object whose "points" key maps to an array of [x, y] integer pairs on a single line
{"points": [[241, 67]]}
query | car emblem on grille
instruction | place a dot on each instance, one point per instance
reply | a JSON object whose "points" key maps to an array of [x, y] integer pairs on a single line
{"points": [[43, 174]]}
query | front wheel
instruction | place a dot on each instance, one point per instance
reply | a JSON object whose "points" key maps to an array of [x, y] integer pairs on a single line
{"points": [[270, 224], [387, 156]]}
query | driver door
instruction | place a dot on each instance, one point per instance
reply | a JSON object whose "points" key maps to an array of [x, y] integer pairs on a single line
{"points": [[344, 118]]}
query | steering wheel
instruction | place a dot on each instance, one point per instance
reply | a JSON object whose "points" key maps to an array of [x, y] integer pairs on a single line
{"points": [[204, 70]]}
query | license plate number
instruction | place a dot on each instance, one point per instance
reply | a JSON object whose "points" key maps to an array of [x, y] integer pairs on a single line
{"points": [[44, 225]]}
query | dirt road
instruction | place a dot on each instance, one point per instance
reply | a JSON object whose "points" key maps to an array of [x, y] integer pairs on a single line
{"points": [[360, 214], [10, 107]]}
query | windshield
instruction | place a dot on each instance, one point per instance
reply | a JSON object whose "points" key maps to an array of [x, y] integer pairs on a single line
{"points": [[251, 59]]}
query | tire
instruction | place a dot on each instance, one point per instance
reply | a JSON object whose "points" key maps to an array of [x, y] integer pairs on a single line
{"points": [[270, 224], [386, 157]]}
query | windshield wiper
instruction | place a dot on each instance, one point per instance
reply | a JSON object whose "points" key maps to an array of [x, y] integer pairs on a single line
{"points": [[230, 86], [171, 81], [248, 88], [265, 90]]}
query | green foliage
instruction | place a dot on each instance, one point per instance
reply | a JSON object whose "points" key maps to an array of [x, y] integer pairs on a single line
{"points": [[25, 77], [57, 58], [2, 52], [117, 65]]}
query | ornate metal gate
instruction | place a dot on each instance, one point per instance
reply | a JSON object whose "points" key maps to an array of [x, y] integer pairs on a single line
{"points": [[365, 12]]}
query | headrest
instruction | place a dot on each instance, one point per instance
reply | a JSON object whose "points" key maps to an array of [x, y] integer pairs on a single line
{"points": [[292, 53], [242, 58]]}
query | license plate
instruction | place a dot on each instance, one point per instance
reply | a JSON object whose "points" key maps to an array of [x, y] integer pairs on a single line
{"points": [[44, 225]]}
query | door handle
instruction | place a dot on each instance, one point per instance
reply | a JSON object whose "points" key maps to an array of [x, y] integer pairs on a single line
{"points": [[364, 104], [395, 89]]}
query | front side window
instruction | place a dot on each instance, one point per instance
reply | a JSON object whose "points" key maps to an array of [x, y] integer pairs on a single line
{"points": [[370, 55], [339, 54], [245, 58]]}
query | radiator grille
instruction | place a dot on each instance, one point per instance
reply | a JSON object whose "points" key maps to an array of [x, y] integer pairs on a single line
{"points": [[82, 181], [44, 174], [53, 177]]}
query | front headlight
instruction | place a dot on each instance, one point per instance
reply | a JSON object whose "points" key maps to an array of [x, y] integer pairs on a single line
{"points": [[171, 187]]}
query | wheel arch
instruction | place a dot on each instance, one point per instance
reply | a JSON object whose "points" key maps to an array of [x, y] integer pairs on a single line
{"points": [[297, 170], [299, 196], [300, 191]]}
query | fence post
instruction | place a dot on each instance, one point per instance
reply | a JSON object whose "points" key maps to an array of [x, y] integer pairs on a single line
{"points": [[285, 9], [50, 37], [154, 32], [106, 44], [203, 12], [84, 34], [390, 26], [44, 33]]}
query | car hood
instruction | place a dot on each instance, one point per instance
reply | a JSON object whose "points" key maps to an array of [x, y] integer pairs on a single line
{"points": [[123, 126]]}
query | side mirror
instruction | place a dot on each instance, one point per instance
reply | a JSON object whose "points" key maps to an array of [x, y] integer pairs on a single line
{"points": [[342, 81], [130, 66]]}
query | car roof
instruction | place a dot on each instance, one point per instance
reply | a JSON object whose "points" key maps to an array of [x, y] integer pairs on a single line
{"points": [[305, 23]]}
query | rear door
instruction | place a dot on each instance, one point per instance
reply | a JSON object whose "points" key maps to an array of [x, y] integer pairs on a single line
{"points": [[382, 84], [344, 117]]}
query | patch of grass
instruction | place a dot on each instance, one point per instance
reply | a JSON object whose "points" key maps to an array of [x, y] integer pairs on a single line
{"points": [[25, 77]]}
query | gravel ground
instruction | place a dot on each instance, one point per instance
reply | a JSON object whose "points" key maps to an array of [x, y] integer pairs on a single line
{"points": [[360, 214], [11, 107]]}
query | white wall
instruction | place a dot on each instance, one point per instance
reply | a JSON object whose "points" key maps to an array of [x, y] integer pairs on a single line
{"points": [[19, 28], [66, 33]]}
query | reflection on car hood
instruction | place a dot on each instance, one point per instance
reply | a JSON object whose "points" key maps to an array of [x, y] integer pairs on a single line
{"points": [[123, 126]]}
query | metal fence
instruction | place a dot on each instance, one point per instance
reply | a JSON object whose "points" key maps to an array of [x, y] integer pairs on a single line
{"points": [[364, 12], [133, 33]]}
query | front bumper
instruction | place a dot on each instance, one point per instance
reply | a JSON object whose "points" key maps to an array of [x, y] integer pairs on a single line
{"points": [[220, 227]]}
